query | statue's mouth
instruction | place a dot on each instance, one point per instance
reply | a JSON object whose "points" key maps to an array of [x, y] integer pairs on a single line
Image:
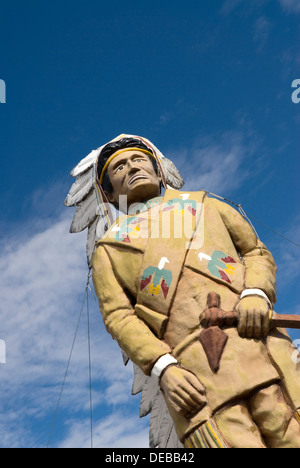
{"points": [[136, 177]]}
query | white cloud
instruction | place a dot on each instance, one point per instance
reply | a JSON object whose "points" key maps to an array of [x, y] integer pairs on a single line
{"points": [[291, 6], [43, 275], [116, 431], [262, 29], [287, 255], [218, 164], [230, 5]]}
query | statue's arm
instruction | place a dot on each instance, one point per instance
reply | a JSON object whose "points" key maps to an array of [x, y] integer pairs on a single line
{"points": [[258, 260], [132, 334], [260, 274]]}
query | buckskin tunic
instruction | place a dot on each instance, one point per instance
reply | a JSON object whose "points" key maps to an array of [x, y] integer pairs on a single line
{"points": [[152, 273]]}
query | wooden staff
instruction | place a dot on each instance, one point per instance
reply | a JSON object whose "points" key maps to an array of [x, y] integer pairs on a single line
{"points": [[214, 319], [214, 316]]}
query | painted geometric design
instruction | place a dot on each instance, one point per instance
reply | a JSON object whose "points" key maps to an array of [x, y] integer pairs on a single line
{"points": [[206, 436], [130, 225], [220, 265], [179, 205], [158, 279]]}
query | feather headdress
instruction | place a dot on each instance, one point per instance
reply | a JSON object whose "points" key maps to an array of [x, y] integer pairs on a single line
{"points": [[93, 211]]}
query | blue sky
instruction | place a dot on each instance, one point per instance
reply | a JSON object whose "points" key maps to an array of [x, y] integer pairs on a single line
{"points": [[210, 84]]}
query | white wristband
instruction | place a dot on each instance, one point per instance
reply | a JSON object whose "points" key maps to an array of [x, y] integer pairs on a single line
{"points": [[255, 292], [161, 364]]}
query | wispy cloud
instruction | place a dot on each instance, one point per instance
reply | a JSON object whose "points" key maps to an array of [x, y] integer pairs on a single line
{"points": [[179, 108], [287, 255], [291, 6], [219, 163], [287, 258], [262, 29], [230, 5], [115, 431], [43, 275]]}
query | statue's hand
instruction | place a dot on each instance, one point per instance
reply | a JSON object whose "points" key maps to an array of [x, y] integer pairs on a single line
{"points": [[253, 317], [183, 391]]}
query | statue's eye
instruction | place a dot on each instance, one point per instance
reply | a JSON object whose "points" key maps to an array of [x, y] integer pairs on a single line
{"points": [[120, 168]]}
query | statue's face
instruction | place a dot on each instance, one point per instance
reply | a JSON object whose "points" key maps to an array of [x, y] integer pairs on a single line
{"points": [[132, 174]]}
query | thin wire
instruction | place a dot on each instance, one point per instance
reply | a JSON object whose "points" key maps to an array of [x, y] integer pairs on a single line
{"points": [[90, 363], [67, 369], [256, 220], [86, 297], [274, 232], [92, 294], [244, 214]]}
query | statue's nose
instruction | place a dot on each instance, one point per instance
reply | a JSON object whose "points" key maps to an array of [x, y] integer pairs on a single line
{"points": [[132, 166]]}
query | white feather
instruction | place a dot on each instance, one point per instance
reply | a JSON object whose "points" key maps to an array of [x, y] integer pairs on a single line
{"points": [[80, 189], [162, 430], [167, 437], [173, 441], [149, 394], [165, 428], [139, 380], [102, 227], [157, 416], [125, 358], [86, 163], [91, 241], [85, 213], [173, 177]]}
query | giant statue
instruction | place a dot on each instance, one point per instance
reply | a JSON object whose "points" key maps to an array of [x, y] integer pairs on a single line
{"points": [[187, 290]]}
